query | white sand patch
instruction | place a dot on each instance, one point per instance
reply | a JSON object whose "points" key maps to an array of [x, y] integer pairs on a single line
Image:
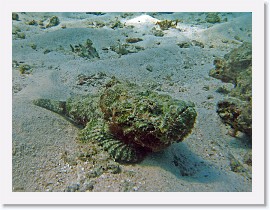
{"points": [[142, 23], [142, 20]]}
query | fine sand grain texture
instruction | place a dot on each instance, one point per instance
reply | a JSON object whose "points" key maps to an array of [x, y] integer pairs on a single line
{"points": [[131, 46]]}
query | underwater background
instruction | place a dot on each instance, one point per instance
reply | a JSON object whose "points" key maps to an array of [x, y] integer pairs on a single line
{"points": [[132, 102]]}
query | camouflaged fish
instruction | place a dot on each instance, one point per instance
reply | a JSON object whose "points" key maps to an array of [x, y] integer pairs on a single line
{"points": [[127, 120]]}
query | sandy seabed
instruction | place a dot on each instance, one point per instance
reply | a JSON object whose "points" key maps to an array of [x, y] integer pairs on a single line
{"points": [[44, 143]]}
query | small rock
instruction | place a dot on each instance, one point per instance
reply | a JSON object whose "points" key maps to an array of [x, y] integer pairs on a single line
{"points": [[158, 33], [184, 45], [33, 45], [113, 167], [197, 43], [210, 97], [133, 40], [206, 87], [212, 17], [73, 188], [87, 186], [54, 21], [149, 68], [24, 68], [15, 16], [248, 158], [31, 22], [135, 188], [236, 166]]}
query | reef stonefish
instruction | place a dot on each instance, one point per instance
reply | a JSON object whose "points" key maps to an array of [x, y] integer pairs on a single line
{"points": [[127, 120]]}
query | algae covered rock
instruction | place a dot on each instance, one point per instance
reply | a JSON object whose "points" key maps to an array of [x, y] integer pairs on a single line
{"points": [[166, 24], [86, 50], [127, 120], [15, 16], [234, 65], [236, 113], [25, 69], [54, 21], [16, 32], [133, 40], [31, 22], [236, 68], [124, 49], [212, 17]]}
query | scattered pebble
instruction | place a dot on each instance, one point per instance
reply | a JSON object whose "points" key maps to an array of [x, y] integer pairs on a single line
{"points": [[133, 40], [149, 68]]}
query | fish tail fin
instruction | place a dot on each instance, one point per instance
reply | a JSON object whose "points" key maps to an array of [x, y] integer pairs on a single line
{"points": [[52, 105]]}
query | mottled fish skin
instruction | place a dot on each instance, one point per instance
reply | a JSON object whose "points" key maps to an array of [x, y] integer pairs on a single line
{"points": [[58, 107], [117, 149], [145, 118], [127, 121], [79, 110]]}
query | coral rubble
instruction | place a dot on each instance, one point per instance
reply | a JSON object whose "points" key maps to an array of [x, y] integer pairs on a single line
{"points": [[86, 51], [236, 68], [25, 69], [124, 49], [133, 40], [212, 17], [166, 24], [31, 22], [54, 21], [16, 32], [188, 44]]}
